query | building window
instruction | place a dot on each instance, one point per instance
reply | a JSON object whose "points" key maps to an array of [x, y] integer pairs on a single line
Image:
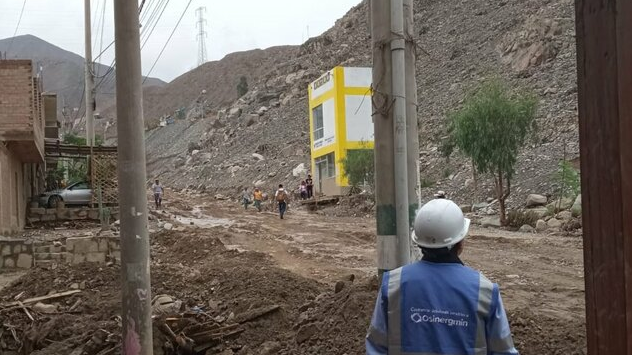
{"points": [[319, 129], [326, 166]]}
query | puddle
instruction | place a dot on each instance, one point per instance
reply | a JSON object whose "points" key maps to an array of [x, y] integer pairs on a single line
{"points": [[203, 221]]}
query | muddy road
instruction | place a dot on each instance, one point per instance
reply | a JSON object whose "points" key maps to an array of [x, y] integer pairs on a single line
{"points": [[540, 273], [223, 259]]}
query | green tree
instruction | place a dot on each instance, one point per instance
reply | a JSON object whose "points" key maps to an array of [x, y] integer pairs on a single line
{"points": [[490, 128], [74, 139], [568, 179], [242, 86], [358, 168]]}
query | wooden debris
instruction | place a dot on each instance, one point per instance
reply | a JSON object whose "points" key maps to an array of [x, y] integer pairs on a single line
{"points": [[26, 311], [42, 298], [257, 313]]}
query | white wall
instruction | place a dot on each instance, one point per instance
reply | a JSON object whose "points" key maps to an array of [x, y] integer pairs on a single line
{"points": [[359, 122], [358, 77], [329, 125]]}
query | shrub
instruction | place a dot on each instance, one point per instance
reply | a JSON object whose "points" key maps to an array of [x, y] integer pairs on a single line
{"points": [[568, 179], [358, 168]]}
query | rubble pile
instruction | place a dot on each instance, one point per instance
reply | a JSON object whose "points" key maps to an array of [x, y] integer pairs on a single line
{"points": [[210, 300]]}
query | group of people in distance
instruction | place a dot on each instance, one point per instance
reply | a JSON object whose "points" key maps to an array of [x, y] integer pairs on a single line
{"points": [[305, 190]]}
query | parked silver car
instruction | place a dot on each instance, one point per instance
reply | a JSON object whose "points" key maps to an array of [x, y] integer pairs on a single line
{"points": [[78, 193]]}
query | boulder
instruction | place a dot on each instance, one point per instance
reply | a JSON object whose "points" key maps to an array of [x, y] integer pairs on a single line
{"points": [[565, 215], [260, 183], [234, 113], [258, 156], [299, 170], [534, 200], [193, 146], [554, 223], [179, 162], [541, 212], [168, 226], [195, 152], [217, 124], [262, 110], [561, 204], [526, 229], [577, 206], [306, 332], [466, 208], [221, 197], [491, 222], [541, 226], [479, 206], [251, 120]]}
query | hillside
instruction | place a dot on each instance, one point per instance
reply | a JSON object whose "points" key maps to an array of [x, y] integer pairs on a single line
{"points": [[63, 71], [529, 43]]}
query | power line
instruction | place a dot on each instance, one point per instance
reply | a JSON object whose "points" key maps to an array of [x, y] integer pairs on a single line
{"points": [[166, 43], [107, 78], [155, 24], [16, 27]]}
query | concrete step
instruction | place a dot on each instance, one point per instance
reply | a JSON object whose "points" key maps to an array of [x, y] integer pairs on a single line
{"points": [[45, 264], [49, 256]]}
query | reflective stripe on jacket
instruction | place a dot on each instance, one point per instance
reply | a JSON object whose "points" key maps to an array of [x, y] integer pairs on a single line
{"points": [[438, 309]]}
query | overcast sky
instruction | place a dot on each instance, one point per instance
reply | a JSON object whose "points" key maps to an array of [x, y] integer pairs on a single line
{"points": [[232, 26]]}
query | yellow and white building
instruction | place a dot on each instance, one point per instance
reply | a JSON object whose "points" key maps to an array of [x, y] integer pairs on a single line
{"points": [[340, 111]]}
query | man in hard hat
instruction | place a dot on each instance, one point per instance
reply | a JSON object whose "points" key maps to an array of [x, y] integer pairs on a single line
{"points": [[438, 305]]}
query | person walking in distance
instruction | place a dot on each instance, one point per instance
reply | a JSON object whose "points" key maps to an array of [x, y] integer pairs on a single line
{"points": [[281, 198], [245, 198], [310, 186], [438, 305], [257, 196], [158, 192]]}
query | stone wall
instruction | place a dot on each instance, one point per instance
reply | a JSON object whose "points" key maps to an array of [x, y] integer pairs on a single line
{"points": [[16, 253], [24, 254], [37, 215]]}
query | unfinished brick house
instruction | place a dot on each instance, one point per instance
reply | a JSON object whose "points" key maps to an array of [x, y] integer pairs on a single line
{"points": [[21, 142]]}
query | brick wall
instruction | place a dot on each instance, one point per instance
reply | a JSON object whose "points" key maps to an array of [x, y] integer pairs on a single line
{"points": [[12, 192], [16, 92]]}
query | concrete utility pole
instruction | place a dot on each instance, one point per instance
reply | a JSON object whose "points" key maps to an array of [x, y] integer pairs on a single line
{"points": [[412, 130], [395, 121], [136, 286], [89, 69], [604, 72], [387, 244]]}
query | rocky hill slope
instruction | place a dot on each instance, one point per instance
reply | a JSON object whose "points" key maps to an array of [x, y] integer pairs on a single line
{"points": [[264, 135], [63, 71]]}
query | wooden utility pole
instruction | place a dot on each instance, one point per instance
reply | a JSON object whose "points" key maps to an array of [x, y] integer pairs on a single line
{"points": [[604, 64], [89, 73], [136, 286]]}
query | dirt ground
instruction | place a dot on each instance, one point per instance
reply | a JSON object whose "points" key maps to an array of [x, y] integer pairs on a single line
{"points": [[228, 261]]}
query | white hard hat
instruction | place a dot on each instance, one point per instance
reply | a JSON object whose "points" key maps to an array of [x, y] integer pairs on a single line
{"points": [[440, 223]]}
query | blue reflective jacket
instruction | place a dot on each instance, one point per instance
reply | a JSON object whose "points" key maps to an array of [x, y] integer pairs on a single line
{"points": [[438, 309]]}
